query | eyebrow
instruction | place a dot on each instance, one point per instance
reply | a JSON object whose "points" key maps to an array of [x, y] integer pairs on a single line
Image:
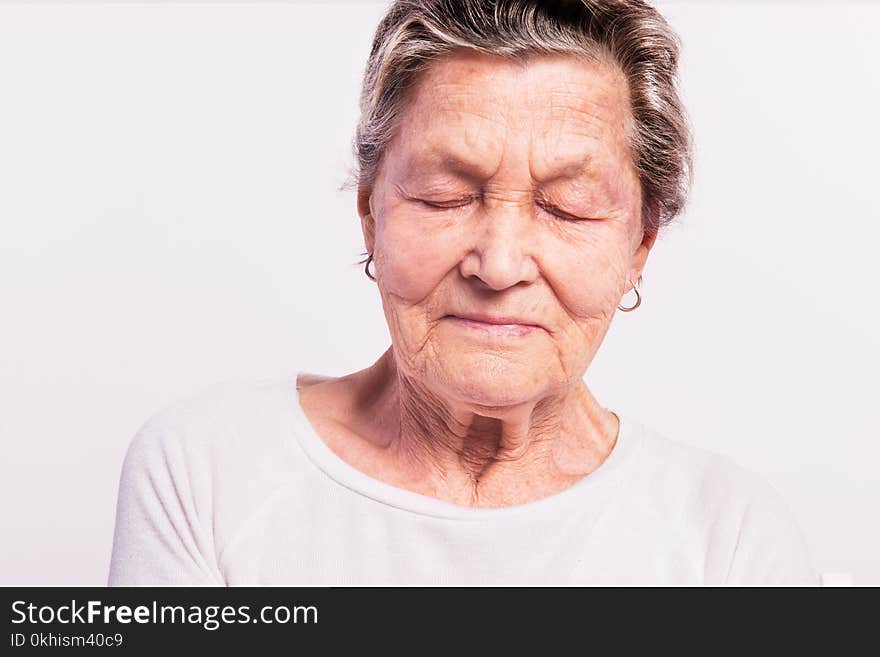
{"points": [[452, 163], [474, 172], [568, 171]]}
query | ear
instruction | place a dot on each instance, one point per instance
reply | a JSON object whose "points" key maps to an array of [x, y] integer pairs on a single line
{"points": [[640, 257], [368, 222]]}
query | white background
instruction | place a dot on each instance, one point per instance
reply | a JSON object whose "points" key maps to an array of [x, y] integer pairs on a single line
{"points": [[170, 217]]}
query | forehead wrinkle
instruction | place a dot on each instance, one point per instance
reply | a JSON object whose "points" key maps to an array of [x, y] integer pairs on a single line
{"points": [[482, 123], [461, 99], [473, 131], [579, 144], [584, 121]]}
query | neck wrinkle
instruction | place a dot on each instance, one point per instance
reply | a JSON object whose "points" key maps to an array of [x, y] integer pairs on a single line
{"points": [[455, 452]]}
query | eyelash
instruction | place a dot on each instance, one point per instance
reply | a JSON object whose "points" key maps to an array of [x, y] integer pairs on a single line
{"points": [[449, 205], [460, 203], [556, 212]]}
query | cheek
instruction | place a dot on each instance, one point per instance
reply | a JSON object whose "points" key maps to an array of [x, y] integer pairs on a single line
{"points": [[413, 255], [586, 274]]}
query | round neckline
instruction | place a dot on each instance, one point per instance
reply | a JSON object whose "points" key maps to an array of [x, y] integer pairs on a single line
{"points": [[363, 484]]}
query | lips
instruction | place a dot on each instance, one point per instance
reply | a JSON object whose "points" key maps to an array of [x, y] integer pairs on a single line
{"points": [[495, 326], [496, 319], [492, 319]]}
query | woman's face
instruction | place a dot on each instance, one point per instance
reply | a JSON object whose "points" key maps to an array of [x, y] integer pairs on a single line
{"points": [[508, 194]]}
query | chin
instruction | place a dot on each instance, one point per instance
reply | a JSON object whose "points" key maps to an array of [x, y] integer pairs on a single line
{"points": [[494, 380]]}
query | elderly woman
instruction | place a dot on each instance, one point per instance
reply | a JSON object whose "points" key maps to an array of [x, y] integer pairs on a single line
{"points": [[516, 160]]}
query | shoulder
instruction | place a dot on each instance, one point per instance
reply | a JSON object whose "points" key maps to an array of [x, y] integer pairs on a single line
{"points": [[704, 475], [222, 449], [748, 530], [227, 416]]}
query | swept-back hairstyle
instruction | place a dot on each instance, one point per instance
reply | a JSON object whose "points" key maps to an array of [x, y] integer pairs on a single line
{"points": [[629, 34]]}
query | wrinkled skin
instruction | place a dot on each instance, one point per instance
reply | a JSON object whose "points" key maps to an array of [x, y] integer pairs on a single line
{"points": [[508, 189]]}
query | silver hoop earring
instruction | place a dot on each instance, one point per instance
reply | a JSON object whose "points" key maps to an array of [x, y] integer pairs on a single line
{"points": [[367, 266], [638, 301]]}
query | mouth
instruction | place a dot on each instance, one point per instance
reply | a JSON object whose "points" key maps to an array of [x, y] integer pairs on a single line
{"points": [[496, 326]]}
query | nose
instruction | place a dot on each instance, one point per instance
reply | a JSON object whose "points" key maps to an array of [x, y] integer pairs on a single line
{"points": [[500, 254]]}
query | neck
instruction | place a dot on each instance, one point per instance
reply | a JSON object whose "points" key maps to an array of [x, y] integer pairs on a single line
{"points": [[487, 456]]}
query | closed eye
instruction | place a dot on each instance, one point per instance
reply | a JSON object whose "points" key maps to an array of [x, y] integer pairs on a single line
{"points": [[561, 214], [467, 200], [445, 205]]}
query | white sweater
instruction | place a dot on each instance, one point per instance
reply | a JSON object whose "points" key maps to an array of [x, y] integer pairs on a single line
{"points": [[232, 486]]}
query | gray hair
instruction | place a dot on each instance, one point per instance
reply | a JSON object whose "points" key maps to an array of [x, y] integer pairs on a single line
{"points": [[630, 34]]}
